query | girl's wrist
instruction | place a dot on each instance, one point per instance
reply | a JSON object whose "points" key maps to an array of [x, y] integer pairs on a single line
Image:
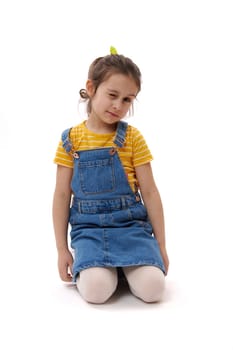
{"points": [[62, 249]]}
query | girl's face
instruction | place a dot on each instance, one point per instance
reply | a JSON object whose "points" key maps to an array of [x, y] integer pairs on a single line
{"points": [[113, 98]]}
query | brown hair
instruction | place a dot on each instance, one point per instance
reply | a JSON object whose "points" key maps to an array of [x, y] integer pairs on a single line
{"points": [[103, 67]]}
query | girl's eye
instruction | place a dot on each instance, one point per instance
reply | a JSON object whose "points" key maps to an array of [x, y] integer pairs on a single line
{"points": [[127, 99], [112, 95]]}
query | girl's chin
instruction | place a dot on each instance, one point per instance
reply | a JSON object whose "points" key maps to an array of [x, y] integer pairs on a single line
{"points": [[111, 119]]}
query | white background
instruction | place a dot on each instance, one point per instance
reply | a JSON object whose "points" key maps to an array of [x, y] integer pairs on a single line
{"points": [[184, 50]]}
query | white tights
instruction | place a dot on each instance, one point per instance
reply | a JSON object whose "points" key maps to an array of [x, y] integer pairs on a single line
{"points": [[97, 284]]}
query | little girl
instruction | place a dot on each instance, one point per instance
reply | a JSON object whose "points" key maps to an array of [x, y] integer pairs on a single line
{"points": [[106, 191]]}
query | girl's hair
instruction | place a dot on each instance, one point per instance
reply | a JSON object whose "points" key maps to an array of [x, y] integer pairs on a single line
{"points": [[103, 67]]}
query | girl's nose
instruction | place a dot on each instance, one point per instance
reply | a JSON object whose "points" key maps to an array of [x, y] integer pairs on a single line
{"points": [[117, 105]]}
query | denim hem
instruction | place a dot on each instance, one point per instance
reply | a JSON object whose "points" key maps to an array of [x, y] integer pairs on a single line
{"points": [[107, 264]]}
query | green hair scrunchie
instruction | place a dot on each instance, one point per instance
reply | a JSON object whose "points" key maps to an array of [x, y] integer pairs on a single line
{"points": [[113, 50]]}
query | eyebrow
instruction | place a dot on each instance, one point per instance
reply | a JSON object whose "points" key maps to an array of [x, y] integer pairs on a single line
{"points": [[117, 92]]}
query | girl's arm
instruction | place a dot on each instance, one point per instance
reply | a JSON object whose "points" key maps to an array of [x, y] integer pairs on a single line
{"points": [[153, 204], [61, 208]]}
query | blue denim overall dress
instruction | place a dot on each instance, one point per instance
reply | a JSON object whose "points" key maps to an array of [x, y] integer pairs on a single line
{"points": [[109, 222]]}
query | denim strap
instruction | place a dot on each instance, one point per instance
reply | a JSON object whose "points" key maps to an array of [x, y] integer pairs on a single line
{"points": [[120, 134], [67, 145]]}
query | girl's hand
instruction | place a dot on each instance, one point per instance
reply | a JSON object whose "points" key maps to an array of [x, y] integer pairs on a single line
{"points": [[65, 263]]}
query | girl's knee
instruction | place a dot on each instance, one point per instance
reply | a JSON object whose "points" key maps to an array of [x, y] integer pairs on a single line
{"points": [[152, 290], [146, 282], [97, 285]]}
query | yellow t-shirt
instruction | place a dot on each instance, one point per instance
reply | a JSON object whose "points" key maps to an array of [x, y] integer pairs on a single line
{"points": [[135, 151]]}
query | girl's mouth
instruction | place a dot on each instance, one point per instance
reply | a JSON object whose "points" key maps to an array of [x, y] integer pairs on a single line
{"points": [[113, 114]]}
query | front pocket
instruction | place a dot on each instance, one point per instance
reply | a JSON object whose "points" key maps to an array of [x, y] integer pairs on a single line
{"points": [[97, 176], [139, 212]]}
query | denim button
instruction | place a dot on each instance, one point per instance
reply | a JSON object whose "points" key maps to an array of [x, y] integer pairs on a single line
{"points": [[112, 151], [75, 155]]}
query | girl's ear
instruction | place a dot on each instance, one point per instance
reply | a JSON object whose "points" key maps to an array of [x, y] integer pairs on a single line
{"points": [[90, 88]]}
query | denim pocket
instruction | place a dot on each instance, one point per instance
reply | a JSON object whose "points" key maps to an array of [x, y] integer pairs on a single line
{"points": [[140, 216], [97, 176], [139, 212]]}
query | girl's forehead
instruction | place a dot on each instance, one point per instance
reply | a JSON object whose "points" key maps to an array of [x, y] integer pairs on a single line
{"points": [[117, 77], [119, 82]]}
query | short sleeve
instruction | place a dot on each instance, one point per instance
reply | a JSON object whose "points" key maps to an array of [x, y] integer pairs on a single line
{"points": [[141, 151], [62, 157]]}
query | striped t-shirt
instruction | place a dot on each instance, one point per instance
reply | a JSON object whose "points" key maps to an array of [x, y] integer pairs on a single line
{"points": [[135, 151]]}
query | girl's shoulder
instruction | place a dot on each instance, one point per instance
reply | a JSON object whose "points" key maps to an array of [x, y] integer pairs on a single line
{"points": [[133, 132], [77, 131]]}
